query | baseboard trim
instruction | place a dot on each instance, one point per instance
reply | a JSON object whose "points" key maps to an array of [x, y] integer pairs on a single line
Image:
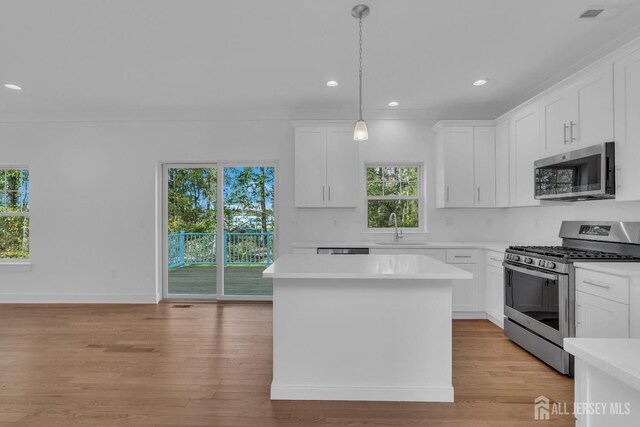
{"points": [[78, 298], [435, 393], [498, 321], [469, 315]]}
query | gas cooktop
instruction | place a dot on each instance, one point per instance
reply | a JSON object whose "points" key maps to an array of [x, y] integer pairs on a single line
{"points": [[565, 253]]}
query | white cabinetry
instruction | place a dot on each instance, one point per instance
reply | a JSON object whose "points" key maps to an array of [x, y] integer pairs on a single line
{"points": [[502, 164], [627, 126], [468, 295], [523, 151], [579, 113], [326, 167], [602, 305], [494, 286], [465, 167]]}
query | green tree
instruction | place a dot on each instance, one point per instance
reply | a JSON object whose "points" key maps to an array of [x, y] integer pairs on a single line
{"points": [[192, 200]]}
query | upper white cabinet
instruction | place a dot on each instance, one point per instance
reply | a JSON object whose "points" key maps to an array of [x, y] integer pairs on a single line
{"points": [[524, 144], [484, 166], [502, 164], [465, 168], [579, 113], [454, 147], [627, 126], [326, 167]]}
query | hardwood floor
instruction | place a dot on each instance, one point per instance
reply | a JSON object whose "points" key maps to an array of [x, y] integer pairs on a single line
{"points": [[210, 365]]}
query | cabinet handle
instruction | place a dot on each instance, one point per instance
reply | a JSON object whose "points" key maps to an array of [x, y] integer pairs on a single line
{"points": [[447, 193], [323, 193], [618, 174], [478, 193], [462, 256], [571, 131], [329, 193], [596, 283], [495, 259], [565, 133]]}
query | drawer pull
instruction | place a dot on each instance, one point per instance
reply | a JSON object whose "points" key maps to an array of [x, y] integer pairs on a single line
{"points": [[462, 256], [596, 283], [495, 259]]}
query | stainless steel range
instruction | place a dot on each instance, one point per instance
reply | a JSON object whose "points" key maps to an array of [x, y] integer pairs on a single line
{"points": [[539, 284]]}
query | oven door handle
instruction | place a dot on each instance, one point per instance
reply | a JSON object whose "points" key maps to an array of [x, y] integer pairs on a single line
{"points": [[530, 271]]}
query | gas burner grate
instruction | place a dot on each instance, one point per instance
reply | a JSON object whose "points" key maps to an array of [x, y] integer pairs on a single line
{"points": [[572, 253]]}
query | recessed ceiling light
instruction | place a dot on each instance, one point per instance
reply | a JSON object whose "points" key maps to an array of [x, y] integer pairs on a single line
{"points": [[481, 82], [393, 104], [12, 86], [332, 83]]}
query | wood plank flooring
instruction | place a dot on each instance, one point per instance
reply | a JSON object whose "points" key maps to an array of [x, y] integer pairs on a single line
{"points": [[210, 365]]}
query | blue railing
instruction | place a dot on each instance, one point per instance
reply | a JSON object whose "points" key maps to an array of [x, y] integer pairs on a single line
{"points": [[239, 248]]}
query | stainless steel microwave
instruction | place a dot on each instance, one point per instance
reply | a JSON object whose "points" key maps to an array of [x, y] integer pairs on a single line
{"points": [[584, 174]]}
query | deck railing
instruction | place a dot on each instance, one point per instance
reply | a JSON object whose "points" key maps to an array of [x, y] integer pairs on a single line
{"points": [[239, 248]]}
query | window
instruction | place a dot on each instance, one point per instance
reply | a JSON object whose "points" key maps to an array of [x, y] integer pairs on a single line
{"points": [[14, 213], [393, 189]]}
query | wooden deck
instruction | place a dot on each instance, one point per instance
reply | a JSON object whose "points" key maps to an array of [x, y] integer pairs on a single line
{"points": [[209, 364], [201, 280]]}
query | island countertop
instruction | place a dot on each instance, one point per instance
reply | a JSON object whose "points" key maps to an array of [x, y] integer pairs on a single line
{"points": [[412, 267]]}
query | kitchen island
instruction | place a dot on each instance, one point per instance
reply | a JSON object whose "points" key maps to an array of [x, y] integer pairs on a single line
{"points": [[362, 327]]}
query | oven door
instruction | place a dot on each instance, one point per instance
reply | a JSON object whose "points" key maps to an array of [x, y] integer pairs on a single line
{"points": [[538, 301], [580, 174]]}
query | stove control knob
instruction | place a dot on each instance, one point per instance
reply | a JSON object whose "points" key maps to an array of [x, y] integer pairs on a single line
{"points": [[541, 263], [528, 260], [551, 264], [516, 258]]}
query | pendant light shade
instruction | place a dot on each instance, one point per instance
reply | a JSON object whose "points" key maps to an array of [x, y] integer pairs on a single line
{"points": [[360, 133]]}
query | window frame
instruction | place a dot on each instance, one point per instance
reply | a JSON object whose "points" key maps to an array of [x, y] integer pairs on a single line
{"points": [[26, 214], [420, 197]]}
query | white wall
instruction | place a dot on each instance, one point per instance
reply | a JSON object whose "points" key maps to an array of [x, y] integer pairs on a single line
{"points": [[93, 193], [540, 225]]}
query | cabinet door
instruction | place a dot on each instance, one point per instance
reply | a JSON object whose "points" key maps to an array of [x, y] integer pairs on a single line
{"points": [[502, 164], [466, 293], [555, 116], [484, 148], [457, 160], [592, 121], [310, 167], [524, 150], [627, 126], [342, 168], [598, 317]]}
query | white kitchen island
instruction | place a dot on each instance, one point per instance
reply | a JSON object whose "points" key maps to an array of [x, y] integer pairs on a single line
{"points": [[362, 327]]}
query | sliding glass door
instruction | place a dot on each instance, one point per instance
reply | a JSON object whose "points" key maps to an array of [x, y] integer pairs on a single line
{"points": [[248, 229], [213, 253]]}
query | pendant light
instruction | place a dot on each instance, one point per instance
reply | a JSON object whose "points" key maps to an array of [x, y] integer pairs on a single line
{"points": [[360, 133]]}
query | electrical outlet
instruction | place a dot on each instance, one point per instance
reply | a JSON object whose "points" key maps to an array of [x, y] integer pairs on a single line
{"points": [[489, 222], [448, 221], [114, 273]]}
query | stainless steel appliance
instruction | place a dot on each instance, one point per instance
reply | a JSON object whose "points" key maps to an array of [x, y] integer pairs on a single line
{"points": [[539, 284], [343, 251], [587, 173]]}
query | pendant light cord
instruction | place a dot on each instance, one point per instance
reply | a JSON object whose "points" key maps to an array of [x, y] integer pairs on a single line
{"points": [[360, 74]]}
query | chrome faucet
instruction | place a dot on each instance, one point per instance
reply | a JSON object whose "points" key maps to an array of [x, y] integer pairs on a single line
{"points": [[393, 220]]}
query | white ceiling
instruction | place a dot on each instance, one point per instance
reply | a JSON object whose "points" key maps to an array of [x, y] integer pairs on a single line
{"points": [[129, 57]]}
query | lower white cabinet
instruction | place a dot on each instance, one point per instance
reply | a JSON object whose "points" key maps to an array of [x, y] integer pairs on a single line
{"points": [[494, 287], [466, 292], [598, 317]]}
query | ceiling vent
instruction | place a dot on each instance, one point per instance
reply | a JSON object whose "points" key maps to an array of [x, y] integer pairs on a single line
{"points": [[591, 13]]}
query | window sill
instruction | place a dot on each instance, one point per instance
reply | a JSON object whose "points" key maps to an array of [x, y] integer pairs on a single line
{"points": [[22, 265]]}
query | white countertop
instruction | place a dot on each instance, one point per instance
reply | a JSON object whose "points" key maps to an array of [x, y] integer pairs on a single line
{"points": [[493, 246], [618, 357], [626, 269], [418, 267]]}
